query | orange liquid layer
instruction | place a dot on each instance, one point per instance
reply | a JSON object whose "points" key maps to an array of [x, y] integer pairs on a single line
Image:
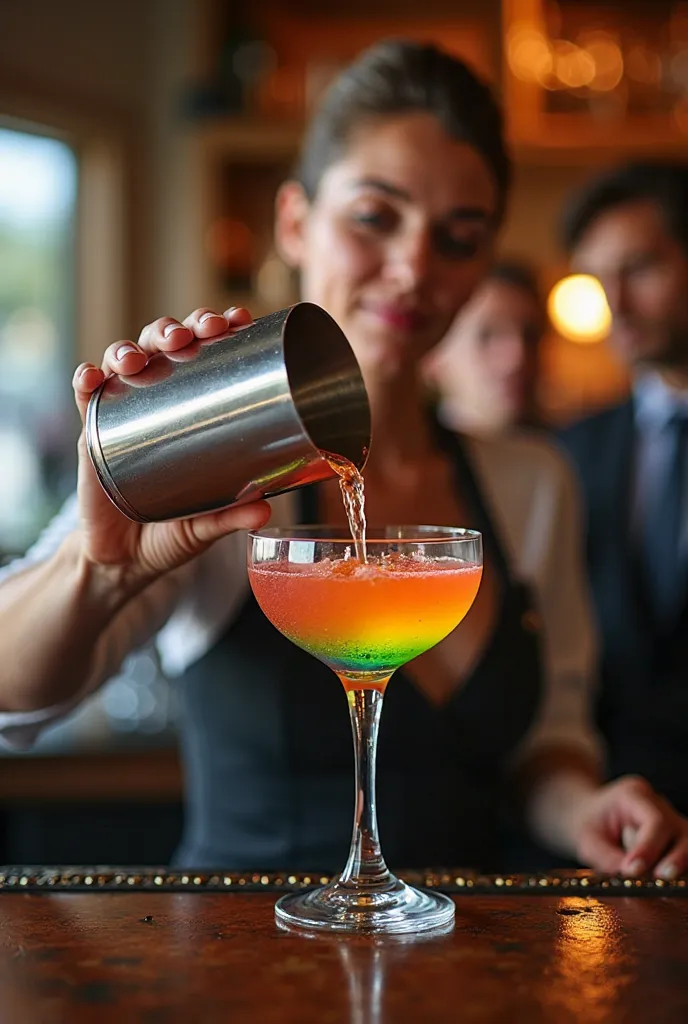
{"points": [[366, 619]]}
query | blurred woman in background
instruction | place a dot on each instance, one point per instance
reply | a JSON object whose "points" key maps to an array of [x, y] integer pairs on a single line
{"points": [[484, 373]]}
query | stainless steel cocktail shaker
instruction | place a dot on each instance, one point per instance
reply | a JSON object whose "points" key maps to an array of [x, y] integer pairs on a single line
{"points": [[232, 420]]}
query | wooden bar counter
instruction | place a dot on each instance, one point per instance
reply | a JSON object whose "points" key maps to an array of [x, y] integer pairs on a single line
{"points": [[78, 947]]}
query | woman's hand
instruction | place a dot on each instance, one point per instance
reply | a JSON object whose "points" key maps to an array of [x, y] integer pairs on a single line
{"points": [[134, 553], [625, 827]]}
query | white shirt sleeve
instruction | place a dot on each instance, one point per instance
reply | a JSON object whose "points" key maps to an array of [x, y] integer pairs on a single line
{"points": [[184, 613], [536, 507]]}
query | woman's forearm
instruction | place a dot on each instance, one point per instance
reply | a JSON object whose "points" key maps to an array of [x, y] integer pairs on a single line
{"points": [[554, 786], [52, 617], [553, 811]]}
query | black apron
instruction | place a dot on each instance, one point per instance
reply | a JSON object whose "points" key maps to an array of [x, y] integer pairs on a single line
{"points": [[269, 756]]}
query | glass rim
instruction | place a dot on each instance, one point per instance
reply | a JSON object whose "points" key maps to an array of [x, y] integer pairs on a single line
{"points": [[400, 534]]}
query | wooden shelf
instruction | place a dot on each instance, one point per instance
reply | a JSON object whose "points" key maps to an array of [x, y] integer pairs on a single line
{"points": [[247, 139], [141, 776], [561, 152]]}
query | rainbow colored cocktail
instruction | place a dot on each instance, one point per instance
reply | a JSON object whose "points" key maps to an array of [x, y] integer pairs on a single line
{"points": [[364, 619]]}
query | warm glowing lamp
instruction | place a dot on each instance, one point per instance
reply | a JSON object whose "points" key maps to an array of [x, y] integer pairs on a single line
{"points": [[578, 309]]}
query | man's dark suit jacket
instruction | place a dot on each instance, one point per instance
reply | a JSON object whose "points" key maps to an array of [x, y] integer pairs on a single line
{"points": [[642, 707]]}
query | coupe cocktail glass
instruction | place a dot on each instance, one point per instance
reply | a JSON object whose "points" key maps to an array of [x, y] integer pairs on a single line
{"points": [[364, 621]]}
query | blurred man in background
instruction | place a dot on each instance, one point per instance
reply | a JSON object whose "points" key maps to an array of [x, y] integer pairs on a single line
{"points": [[629, 228], [484, 373]]}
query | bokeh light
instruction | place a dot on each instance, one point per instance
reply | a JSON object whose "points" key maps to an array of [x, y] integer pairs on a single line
{"points": [[578, 309], [573, 67]]}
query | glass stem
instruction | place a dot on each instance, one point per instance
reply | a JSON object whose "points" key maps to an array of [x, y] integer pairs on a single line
{"points": [[366, 865]]}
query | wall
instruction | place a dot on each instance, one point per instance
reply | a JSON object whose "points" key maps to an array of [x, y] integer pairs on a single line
{"points": [[537, 199], [111, 66], [95, 52]]}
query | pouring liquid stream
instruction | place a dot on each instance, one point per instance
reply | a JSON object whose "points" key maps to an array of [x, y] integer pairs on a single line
{"points": [[351, 486]]}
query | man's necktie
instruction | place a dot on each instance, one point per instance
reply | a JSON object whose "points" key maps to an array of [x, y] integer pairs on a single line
{"points": [[664, 565]]}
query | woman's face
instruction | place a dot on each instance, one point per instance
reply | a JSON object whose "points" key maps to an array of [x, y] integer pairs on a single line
{"points": [[487, 363], [397, 238]]}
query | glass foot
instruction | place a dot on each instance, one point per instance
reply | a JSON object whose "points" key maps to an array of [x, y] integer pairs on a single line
{"points": [[394, 909]]}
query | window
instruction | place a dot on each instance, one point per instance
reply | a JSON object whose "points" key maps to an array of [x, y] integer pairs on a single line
{"points": [[38, 422]]}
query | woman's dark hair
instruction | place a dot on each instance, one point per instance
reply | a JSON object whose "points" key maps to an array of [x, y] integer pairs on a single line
{"points": [[664, 183], [519, 275], [397, 77]]}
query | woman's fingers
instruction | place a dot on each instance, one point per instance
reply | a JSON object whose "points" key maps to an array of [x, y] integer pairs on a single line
{"points": [[86, 379], [599, 852], [164, 335], [169, 335], [211, 527], [206, 323], [675, 862], [653, 840], [237, 316], [124, 358], [656, 824]]}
